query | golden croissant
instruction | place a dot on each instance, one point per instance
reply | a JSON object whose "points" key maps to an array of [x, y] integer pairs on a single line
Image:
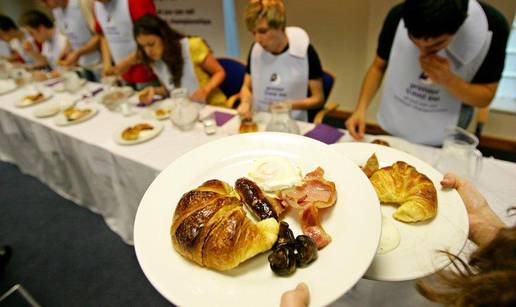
{"points": [[210, 227], [402, 184]]}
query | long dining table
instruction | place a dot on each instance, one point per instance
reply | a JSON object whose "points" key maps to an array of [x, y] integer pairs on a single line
{"points": [[84, 164]]}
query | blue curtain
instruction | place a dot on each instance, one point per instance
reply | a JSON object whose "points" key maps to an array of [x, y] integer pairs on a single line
{"points": [[230, 29]]}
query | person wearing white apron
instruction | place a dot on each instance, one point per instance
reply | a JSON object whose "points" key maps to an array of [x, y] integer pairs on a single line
{"points": [[281, 64], [437, 58], [72, 20], [115, 22], [17, 39], [54, 43], [161, 47]]}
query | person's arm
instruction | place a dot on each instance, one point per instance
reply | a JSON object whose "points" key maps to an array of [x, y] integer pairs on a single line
{"points": [[246, 98], [484, 224], [370, 85], [106, 57], [147, 94], [438, 69], [126, 63], [91, 45], [212, 67], [315, 100], [39, 59]]}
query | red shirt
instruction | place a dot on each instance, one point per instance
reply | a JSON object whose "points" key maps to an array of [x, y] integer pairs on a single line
{"points": [[138, 73]]}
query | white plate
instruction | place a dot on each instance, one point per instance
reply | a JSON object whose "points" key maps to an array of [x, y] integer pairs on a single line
{"points": [[144, 135], [161, 117], [417, 255], [61, 120], [23, 104], [47, 110], [7, 86], [60, 87], [354, 224]]}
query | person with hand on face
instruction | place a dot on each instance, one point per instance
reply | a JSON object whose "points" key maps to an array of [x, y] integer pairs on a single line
{"points": [[20, 42], [74, 18], [54, 44], [282, 64], [114, 22], [441, 58], [178, 61]]}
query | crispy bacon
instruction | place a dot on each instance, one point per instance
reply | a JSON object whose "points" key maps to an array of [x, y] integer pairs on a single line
{"points": [[313, 193]]}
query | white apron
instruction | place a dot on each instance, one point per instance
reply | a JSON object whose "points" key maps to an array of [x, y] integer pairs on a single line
{"points": [[17, 46], [53, 48], [188, 80], [281, 77], [115, 20], [421, 112], [71, 22]]}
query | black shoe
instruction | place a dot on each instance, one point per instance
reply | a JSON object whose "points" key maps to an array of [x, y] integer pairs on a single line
{"points": [[5, 254]]}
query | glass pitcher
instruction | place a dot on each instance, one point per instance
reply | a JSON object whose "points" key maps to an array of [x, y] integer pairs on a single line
{"points": [[72, 81], [281, 119], [459, 154], [184, 114]]}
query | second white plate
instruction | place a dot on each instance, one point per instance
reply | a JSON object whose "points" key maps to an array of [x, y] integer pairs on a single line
{"points": [[144, 135]]}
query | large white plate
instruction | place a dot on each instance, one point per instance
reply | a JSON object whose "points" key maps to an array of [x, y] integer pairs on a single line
{"points": [[354, 224], [144, 135], [417, 255], [7, 86], [61, 120], [22, 103]]}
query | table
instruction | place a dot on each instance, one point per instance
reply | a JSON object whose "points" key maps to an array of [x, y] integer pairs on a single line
{"points": [[83, 163]]}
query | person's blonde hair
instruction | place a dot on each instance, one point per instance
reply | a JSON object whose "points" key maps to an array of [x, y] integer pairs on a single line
{"points": [[272, 11]]}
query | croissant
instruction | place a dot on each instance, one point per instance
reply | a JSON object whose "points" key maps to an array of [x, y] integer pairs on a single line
{"points": [[210, 227], [402, 184]]}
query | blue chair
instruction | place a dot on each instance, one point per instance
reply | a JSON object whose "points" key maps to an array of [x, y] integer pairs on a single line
{"points": [[328, 79], [235, 73]]}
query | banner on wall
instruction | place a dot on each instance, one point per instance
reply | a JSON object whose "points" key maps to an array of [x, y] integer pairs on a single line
{"points": [[212, 20]]}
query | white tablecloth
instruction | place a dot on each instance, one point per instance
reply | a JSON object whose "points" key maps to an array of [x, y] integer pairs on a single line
{"points": [[83, 163]]}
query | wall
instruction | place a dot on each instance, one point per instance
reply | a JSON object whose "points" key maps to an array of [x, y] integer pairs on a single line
{"points": [[344, 32]]}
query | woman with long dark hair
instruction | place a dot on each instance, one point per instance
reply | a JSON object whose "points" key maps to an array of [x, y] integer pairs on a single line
{"points": [[178, 61]]}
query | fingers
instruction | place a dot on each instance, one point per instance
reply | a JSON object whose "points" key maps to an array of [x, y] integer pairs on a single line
{"points": [[300, 296], [356, 127]]}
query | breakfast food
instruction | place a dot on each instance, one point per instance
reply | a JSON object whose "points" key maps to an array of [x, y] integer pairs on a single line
{"points": [[74, 114], [162, 112], [274, 173], [113, 97], [210, 228], [403, 185], [371, 166], [132, 133], [260, 204], [247, 126], [380, 142], [289, 253], [314, 192], [30, 99]]}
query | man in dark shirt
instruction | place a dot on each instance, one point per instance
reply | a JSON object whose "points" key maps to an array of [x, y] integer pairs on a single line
{"points": [[441, 32], [282, 65]]}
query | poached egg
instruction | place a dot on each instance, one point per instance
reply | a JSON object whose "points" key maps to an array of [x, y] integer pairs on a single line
{"points": [[274, 173]]}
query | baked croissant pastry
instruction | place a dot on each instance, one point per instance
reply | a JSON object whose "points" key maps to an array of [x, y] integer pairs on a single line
{"points": [[210, 227], [402, 184]]}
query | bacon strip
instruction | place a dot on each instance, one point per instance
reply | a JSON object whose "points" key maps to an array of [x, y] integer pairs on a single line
{"points": [[315, 192]]}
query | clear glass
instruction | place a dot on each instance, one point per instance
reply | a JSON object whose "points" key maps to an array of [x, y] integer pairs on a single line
{"points": [[459, 154], [281, 119], [185, 114], [72, 81]]}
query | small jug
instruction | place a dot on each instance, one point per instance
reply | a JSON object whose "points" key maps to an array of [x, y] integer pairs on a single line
{"points": [[72, 81], [459, 154], [184, 114], [281, 119]]}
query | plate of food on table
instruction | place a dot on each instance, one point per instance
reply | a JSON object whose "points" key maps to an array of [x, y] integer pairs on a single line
{"points": [[420, 220], [137, 132], [242, 219], [7, 86], [32, 99], [75, 115]]}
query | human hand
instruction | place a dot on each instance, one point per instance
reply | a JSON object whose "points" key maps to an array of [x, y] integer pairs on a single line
{"points": [[200, 95], [436, 68], [244, 109], [483, 222], [108, 70], [27, 46], [298, 297], [356, 124], [147, 95], [70, 59]]}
